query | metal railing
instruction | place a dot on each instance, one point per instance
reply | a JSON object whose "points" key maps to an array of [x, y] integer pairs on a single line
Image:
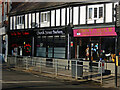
{"points": [[59, 67]]}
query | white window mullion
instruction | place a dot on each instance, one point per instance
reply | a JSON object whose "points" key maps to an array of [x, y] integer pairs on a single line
{"points": [[97, 12], [92, 13]]}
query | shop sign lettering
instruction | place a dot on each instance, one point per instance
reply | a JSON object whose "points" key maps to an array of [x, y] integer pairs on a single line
{"points": [[45, 32], [110, 31], [19, 33]]}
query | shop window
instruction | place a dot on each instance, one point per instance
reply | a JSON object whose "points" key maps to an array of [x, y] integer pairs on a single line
{"points": [[41, 51], [59, 46], [41, 46], [108, 48], [51, 46], [59, 52], [50, 52]]}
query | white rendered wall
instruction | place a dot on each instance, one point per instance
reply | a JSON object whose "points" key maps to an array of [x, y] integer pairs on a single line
{"points": [[58, 17], [53, 18], [14, 20], [37, 19], [108, 13], [33, 19], [67, 16], [30, 20], [75, 15], [83, 14], [10, 23], [45, 24], [63, 17], [26, 21]]}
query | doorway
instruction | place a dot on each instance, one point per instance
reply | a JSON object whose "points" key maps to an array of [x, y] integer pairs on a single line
{"points": [[94, 50], [83, 45]]}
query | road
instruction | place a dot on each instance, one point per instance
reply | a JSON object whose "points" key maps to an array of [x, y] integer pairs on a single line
{"points": [[19, 80]]}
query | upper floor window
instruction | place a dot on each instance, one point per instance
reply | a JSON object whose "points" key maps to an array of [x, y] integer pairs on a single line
{"points": [[95, 12], [20, 20], [90, 13], [45, 17], [100, 12]]}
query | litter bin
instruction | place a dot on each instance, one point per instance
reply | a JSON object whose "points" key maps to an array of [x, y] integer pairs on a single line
{"points": [[79, 68]]}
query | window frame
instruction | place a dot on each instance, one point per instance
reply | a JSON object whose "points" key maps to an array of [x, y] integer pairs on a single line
{"points": [[102, 12], [20, 20], [44, 16], [96, 13], [93, 12], [90, 13]]}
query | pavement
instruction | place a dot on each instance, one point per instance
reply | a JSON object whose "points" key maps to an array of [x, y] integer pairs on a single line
{"points": [[17, 79]]}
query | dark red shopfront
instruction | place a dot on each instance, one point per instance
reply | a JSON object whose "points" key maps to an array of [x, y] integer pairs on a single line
{"points": [[20, 43]]}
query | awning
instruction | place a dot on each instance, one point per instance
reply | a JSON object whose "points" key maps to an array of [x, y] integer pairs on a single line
{"points": [[108, 31]]}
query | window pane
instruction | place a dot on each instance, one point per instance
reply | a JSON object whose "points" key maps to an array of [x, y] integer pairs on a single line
{"points": [[59, 52], [18, 20], [23, 18], [48, 16], [90, 13], [41, 51], [45, 16], [100, 12], [50, 50], [95, 12], [59, 55], [41, 17]]}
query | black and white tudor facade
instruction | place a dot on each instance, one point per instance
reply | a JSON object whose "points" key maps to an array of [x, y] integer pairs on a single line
{"points": [[43, 31]]}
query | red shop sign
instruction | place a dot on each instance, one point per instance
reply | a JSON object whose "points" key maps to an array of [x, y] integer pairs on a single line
{"points": [[19, 33]]}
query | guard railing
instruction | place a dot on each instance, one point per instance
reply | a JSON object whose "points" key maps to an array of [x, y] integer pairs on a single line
{"points": [[76, 69]]}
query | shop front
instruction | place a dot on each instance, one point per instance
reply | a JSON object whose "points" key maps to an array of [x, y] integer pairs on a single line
{"points": [[100, 40], [50, 43], [20, 43]]}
